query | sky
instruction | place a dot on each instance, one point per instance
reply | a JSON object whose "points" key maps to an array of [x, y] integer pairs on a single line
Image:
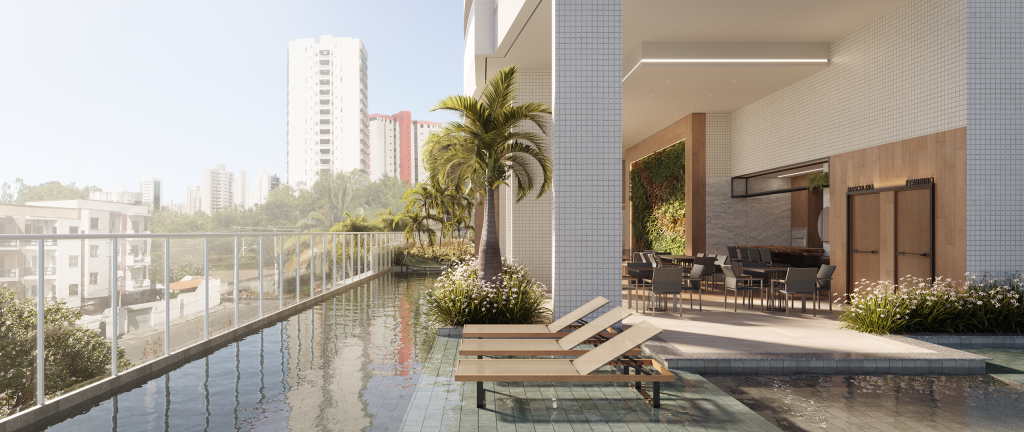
{"points": [[101, 92]]}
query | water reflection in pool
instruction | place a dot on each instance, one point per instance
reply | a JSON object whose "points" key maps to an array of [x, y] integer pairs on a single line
{"points": [[348, 363]]}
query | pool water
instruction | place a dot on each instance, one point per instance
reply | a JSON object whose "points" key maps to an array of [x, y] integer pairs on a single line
{"points": [[348, 363], [851, 403], [1006, 363]]}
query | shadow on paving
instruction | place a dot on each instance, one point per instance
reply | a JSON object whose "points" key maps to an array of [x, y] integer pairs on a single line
{"points": [[689, 403]]}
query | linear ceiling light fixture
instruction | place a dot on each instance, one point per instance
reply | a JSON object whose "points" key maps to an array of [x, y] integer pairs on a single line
{"points": [[801, 172], [722, 61]]}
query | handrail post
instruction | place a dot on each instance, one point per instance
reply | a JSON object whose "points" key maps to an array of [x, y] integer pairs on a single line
{"points": [[113, 306], [236, 282], [312, 266], [298, 268], [206, 290], [323, 263], [167, 296], [40, 330], [280, 273], [334, 261], [261, 276]]}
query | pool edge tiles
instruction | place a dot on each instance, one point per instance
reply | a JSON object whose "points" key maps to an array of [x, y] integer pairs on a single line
{"points": [[690, 402]]}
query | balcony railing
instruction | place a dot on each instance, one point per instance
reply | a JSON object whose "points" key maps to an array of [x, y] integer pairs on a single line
{"points": [[8, 243], [36, 242], [298, 268]]}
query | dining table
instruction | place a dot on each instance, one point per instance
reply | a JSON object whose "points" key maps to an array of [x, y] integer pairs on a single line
{"points": [[678, 258], [767, 274]]}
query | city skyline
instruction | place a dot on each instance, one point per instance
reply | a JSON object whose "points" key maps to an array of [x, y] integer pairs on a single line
{"points": [[189, 121]]}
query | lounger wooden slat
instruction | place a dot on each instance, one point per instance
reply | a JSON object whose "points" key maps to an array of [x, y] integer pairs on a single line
{"points": [[553, 330], [590, 333], [578, 370]]}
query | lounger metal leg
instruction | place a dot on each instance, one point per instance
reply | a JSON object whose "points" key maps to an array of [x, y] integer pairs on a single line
{"points": [[803, 303], [656, 397], [480, 402]]}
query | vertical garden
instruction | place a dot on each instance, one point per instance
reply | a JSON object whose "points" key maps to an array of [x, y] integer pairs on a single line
{"points": [[656, 191]]}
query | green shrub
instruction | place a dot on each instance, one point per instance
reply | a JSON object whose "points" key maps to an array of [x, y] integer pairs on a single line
{"points": [[73, 354], [942, 305], [448, 250], [458, 298]]}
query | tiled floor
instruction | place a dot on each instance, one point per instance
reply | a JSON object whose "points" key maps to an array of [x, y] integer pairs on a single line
{"points": [[690, 403], [880, 403], [1006, 363], [719, 330]]}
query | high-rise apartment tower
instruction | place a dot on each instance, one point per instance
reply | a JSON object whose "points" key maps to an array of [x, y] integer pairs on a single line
{"points": [[218, 190], [327, 103], [396, 144]]}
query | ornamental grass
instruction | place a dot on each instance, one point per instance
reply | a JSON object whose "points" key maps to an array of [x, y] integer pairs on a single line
{"points": [[912, 305], [459, 298]]}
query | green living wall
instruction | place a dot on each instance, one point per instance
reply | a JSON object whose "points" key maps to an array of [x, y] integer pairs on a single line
{"points": [[659, 201]]}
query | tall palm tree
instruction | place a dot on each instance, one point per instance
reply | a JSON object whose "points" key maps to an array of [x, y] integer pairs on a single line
{"points": [[487, 147]]}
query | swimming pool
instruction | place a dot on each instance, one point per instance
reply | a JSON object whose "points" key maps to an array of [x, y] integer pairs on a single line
{"points": [[348, 363]]}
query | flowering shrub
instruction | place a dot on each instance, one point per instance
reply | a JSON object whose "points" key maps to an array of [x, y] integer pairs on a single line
{"points": [[459, 298], [942, 305], [446, 250]]}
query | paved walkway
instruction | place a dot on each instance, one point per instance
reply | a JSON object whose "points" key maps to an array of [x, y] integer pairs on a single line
{"points": [[690, 403]]}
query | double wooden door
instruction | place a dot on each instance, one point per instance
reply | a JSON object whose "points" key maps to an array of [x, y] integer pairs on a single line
{"points": [[890, 235]]}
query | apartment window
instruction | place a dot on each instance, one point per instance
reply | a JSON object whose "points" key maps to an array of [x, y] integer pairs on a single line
{"points": [[325, 112], [73, 289], [135, 226], [94, 223], [72, 230], [325, 92], [325, 101], [325, 151], [325, 72], [325, 62], [94, 251], [325, 52], [115, 225], [325, 82], [73, 261], [325, 131], [325, 121], [325, 141], [94, 278]]}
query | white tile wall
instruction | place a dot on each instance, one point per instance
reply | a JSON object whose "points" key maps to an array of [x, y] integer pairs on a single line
{"points": [[899, 76], [587, 77], [995, 127], [718, 143], [528, 237]]}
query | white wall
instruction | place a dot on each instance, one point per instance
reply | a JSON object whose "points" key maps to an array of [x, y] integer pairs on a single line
{"points": [[899, 76]]}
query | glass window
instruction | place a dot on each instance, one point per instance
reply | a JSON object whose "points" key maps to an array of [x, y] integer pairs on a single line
{"points": [[325, 82], [73, 289], [324, 92], [325, 112], [94, 251], [94, 278], [94, 223], [325, 141], [72, 230], [73, 261]]}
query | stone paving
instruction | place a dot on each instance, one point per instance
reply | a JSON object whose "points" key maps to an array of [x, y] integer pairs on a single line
{"points": [[690, 403]]}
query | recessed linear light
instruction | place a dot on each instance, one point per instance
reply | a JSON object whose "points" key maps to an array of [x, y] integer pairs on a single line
{"points": [[802, 172], [722, 61]]}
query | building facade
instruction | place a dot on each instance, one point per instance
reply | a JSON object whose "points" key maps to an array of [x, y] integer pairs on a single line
{"points": [[908, 105], [76, 271], [263, 185], [151, 190], [396, 145], [327, 108], [218, 190]]}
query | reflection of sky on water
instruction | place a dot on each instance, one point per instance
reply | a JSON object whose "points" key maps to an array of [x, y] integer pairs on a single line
{"points": [[351, 363]]}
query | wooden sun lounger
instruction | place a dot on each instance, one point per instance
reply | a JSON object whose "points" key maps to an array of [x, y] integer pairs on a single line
{"points": [[571, 320], [589, 334], [578, 370]]}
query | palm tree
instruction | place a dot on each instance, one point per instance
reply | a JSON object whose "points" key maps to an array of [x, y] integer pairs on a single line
{"points": [[487, 147]]}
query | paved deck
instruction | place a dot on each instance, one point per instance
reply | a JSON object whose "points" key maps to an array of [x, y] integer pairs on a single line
{"points": [[691, 403], [749, 341]]}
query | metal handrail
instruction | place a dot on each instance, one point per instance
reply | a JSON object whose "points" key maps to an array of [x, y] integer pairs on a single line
{"points": [[164, 235]]}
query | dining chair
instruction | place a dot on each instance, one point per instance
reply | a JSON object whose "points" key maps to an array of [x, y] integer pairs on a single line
{"points": [[665, 282], [737, 284], [637, 274], [798, 281], [700, 254], [732, 253], [823, 284], [753, 255], [693, 283], [638, 257], [743, 253]]}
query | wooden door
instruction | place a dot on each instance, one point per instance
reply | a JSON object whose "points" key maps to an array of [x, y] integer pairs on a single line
{"points": [[914, 233], [864, 225]]}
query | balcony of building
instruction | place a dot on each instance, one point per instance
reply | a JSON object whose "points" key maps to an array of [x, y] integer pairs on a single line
{"points": [[8, 244], [47, 244], [8, 274]]}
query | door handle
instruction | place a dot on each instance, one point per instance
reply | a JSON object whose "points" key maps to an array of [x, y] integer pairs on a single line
{"points": [[860, 251], [914, 254]]}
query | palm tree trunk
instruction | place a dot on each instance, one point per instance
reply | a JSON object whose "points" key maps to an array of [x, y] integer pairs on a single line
{"points": [[490, 252]]}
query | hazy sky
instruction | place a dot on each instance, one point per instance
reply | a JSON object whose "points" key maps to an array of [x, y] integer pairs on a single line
{"points": [[101, 92]]}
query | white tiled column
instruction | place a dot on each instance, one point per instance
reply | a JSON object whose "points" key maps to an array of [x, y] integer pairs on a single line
{"points": [[587, 212], [995, 136]]}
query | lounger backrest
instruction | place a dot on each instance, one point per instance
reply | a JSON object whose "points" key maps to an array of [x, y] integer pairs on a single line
{"points": [[732, 252], [615, 347], [577, 314], [592, 328]]}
